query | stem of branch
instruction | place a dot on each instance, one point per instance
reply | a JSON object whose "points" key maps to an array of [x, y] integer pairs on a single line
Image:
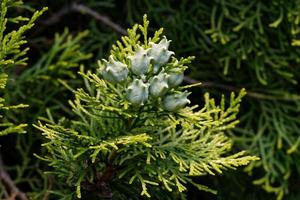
{"points": [[83, 9], [6, 180], [256, 95]]}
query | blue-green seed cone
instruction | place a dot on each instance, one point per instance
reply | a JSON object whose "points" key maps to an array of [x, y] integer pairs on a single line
{"points": [[175, 79], [160, 53], [137, 92], [174, 102], [114, 71], [159, 85], [140, 61]]}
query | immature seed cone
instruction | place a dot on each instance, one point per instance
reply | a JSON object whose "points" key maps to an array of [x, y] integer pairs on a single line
{"points": [[114, 71], [160, 53], [137, 92], [140, 61], [159, 85], [174, 102], [175, 79]]}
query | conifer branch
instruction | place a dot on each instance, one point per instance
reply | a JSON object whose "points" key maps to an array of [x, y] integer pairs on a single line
{"points": [[133, 128]]}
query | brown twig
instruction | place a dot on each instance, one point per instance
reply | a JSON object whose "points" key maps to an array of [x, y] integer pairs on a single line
{"points": [[83, 9], [50, 184], [6, 180], [252, 94]]}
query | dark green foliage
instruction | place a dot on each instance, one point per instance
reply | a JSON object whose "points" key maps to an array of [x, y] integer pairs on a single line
{"points": [[41, 87], [245, 44], [45, 84], [44, 87]]}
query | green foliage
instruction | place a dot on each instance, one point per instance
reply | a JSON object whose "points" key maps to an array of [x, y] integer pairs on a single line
{"points": [[240, 35], [44, 85], [279, 151], [12, 54], [11, 41], [38, 87], [45, 88], [120, 149], [250, 44], [238, 44]]}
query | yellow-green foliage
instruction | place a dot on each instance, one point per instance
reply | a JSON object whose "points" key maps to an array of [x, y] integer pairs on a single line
{"points": [[11, 54], [118, 148]]}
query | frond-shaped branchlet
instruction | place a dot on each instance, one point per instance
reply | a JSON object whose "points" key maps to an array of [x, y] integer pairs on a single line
{"points": [[134, 133]]}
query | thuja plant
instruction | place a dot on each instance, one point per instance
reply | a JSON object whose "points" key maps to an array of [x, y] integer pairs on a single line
{"points": [[134, 134]]}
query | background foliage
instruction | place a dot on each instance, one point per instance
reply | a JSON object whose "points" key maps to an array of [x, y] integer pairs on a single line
{"points": [[237, 44]]}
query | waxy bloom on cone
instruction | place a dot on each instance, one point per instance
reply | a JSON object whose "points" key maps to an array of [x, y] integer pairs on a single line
{"points": [[114, 71]]}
